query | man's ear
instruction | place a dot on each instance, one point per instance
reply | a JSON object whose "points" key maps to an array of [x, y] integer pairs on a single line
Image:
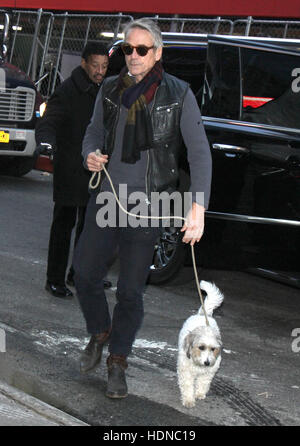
{"points": [[158, 54]]}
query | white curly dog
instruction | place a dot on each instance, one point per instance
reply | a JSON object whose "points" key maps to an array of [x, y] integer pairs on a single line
{"points": [[199, 349]]}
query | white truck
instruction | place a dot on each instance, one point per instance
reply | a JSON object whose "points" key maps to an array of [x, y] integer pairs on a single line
{"points": [[19, 109]]}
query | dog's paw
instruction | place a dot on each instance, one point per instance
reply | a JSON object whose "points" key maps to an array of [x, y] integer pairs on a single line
{"points": [[188, 403], [201, 396]]}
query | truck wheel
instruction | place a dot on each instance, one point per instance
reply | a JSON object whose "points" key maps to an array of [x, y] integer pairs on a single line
{"points": [[17, 166], [169, 256]]}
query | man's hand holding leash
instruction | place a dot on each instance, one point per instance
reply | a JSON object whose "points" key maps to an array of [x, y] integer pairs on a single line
{"points": [[95, 162], [194, 224]]}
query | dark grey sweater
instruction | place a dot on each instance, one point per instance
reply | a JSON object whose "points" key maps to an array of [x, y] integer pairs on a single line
{"points": [[133, 175]]}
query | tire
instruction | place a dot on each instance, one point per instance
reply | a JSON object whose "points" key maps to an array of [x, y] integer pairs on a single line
{"points": [[170, 252], [17, 166], [169, 256]]}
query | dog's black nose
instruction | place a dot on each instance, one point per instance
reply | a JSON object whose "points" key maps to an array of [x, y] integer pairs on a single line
{"points": [[207, 362]]}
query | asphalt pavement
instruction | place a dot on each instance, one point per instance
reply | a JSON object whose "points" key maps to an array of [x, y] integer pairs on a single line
{"points": [[258, 383]]}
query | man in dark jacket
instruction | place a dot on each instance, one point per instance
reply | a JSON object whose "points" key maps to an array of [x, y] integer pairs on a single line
{"points": [[62, 129], [140, 120]]}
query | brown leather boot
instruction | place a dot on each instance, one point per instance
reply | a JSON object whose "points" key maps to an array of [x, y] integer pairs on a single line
{"points": [[116, 385], [92, 353]]}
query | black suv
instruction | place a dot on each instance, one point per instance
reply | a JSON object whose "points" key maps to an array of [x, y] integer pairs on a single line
{"points": [[248, 92]]}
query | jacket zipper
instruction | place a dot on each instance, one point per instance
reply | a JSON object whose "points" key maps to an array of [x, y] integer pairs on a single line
{"points": [[148, 202], [167, 106], [118, 107]]}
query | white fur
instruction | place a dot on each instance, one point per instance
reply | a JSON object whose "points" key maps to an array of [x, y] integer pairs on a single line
{"points": [[199, 349]]}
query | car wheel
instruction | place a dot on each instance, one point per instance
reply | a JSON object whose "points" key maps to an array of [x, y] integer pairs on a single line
{"points": [[18, 166], [169, 256]]}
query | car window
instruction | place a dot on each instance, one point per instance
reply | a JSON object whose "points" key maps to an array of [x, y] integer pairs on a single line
{"points": [[222, 93], [269, 88], [188, 64]]}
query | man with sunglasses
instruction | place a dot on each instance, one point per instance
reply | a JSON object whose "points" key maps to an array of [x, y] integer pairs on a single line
{"points": [[140, 121]]}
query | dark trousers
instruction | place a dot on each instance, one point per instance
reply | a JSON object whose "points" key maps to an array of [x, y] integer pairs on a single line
{"points": [[92, 258], [64, 220]]}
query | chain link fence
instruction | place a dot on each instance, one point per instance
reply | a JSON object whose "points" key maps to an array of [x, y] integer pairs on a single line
{"points": [[67, 38], [267, 28], [239, 27], [47, 46], [194, 26]]}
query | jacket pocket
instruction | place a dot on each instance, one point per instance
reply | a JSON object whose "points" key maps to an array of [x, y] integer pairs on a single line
{"points": [[165, 119]]}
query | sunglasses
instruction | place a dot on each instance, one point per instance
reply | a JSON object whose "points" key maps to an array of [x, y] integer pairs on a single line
{"points": [[142, 50]]}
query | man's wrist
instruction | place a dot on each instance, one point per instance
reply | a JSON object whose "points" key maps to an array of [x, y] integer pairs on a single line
{"points": [[196, 205], [45, 148]]}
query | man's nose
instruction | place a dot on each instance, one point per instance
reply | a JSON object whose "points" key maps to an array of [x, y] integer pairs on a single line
{"points": [[99, 70], [134, 53]]}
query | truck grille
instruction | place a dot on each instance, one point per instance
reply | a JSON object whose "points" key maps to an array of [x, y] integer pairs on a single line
{"points": [[16, 146], [16, 104]]}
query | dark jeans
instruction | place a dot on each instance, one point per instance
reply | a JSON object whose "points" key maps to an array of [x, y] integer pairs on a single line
{"points": [[93, 254], [64, 219]]}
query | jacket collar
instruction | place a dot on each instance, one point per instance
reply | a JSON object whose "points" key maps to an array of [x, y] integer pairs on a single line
{"points": [[83, 82]]}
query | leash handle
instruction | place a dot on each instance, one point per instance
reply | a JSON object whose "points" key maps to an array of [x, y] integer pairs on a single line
{"points": [[95, 174], [94, 186]]}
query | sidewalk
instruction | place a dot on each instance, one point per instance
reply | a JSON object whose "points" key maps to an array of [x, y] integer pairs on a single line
{"points": [[19, 409]]}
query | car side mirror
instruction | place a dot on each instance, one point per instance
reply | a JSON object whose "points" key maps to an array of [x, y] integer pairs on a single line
{"points": [[5, 37]]}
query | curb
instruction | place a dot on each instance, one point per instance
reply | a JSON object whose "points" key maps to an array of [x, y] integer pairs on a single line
{"points": [[37, 409]]}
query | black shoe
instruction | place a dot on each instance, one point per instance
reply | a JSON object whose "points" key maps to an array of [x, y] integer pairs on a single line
{"points": [[116, 385], [92, 353], [58, 290]]}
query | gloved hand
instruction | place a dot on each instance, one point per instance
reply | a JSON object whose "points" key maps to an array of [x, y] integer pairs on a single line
{"points": [[44, 148]]}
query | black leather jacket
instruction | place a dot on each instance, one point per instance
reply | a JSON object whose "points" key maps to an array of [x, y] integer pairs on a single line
{"points": [[166, 108]]}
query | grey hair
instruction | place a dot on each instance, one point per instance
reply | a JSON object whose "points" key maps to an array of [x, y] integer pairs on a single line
{"points": [[148, 25]]}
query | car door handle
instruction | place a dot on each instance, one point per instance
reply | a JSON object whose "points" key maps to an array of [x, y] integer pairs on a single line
{"points": [[229, 148]]}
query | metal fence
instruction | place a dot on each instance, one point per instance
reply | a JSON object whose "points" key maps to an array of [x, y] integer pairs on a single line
{"points": [[40, 41], [267, 28], [196, 26], [241, 27]]}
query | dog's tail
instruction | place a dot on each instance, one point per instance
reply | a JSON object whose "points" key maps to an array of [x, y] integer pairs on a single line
{"points": [[213, 299]]}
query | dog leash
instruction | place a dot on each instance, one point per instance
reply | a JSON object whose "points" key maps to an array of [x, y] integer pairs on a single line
{"points": [[94, 186]]}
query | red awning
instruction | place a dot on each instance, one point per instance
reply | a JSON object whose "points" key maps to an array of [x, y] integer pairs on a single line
{"points": [[255, 8]]}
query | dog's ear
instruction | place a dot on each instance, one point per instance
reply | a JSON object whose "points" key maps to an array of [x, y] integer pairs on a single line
{"points": [[187, 344], [217, 352]]}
